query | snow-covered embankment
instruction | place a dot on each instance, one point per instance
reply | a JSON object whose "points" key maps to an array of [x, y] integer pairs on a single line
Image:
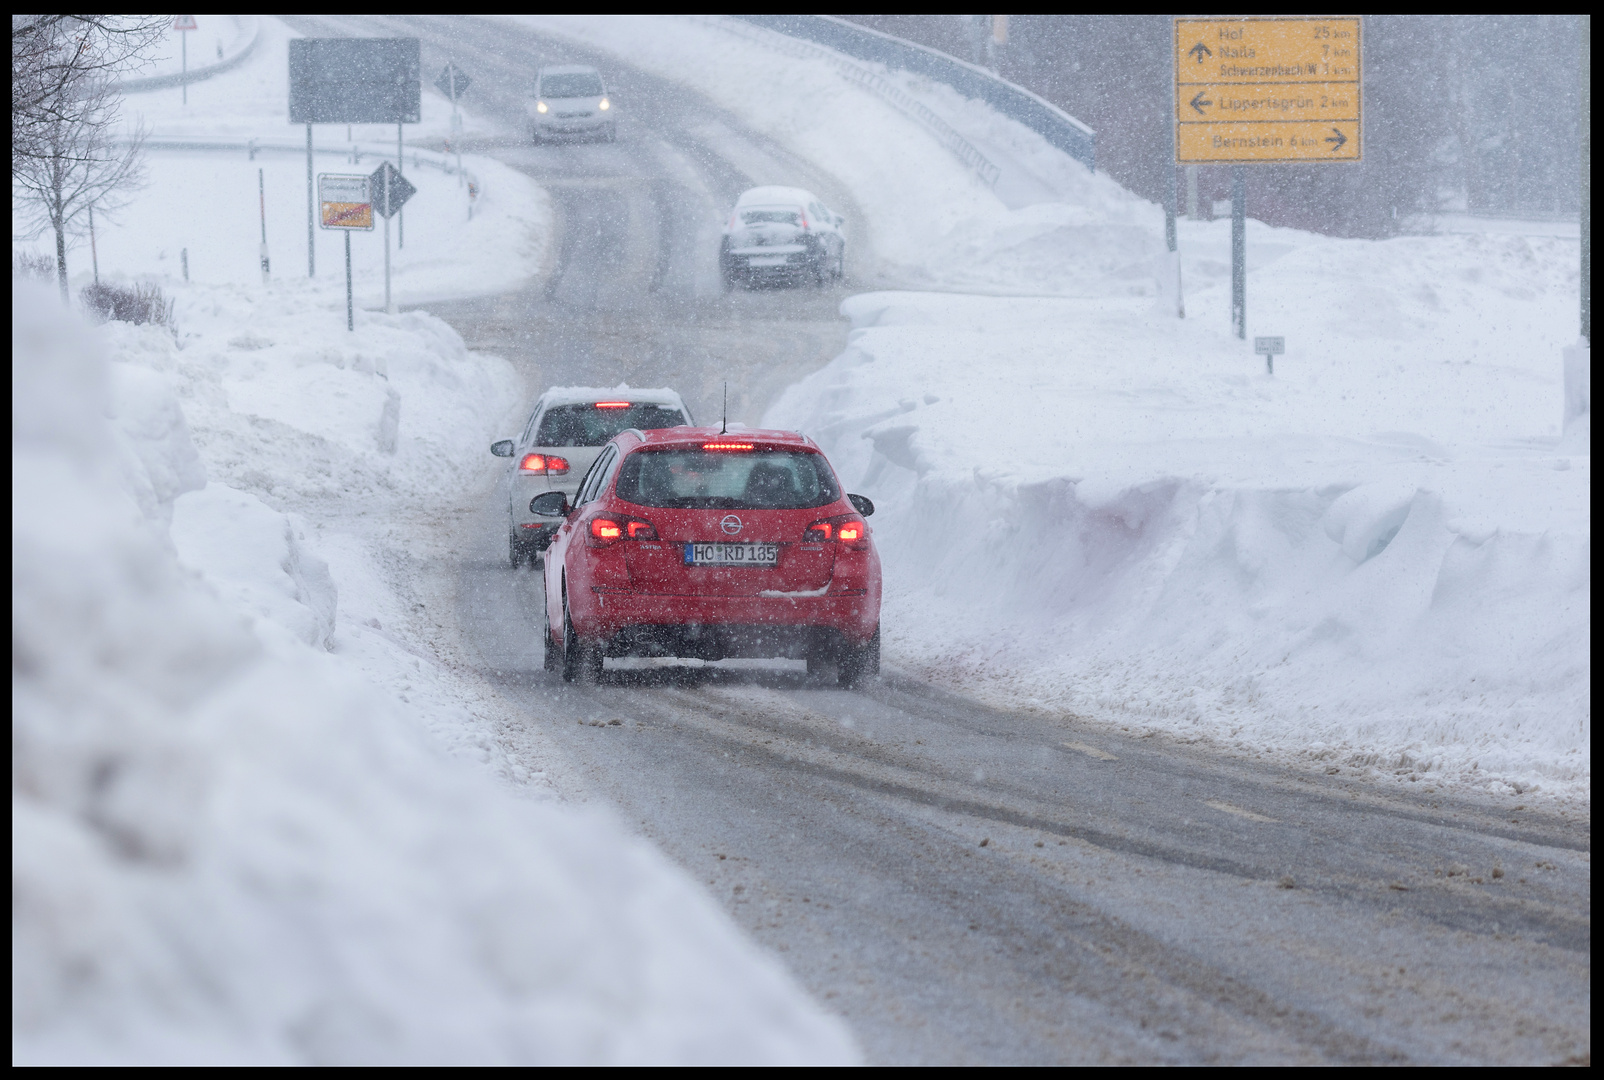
{"points": [[239, 830]]}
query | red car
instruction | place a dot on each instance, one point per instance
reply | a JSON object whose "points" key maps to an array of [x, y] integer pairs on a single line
{"points": [[700, 543]]}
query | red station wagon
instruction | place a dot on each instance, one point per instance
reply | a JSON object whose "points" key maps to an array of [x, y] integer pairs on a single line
{"points": [[699, 543]]}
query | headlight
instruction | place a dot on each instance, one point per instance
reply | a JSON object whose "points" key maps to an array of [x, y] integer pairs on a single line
{"points": [[540, 106], [605, 104]]}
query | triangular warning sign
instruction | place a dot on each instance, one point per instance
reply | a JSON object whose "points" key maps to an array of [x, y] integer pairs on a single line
{"points": [[184, 22]]}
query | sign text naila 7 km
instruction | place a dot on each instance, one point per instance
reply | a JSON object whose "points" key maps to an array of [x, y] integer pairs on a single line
{"points": [[1267, 90]]}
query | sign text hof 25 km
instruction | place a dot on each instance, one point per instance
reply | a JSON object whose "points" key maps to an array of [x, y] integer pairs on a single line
{"points": [[1261, 89]]}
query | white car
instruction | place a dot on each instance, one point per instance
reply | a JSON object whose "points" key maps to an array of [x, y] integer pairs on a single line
{"points": [[782, 233], [565, 433], [571, 99]]}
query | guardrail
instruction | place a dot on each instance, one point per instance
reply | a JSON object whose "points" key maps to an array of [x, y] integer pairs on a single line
{"points": [[876, 83], [196, 74], [352, 151], [1046, 119]]}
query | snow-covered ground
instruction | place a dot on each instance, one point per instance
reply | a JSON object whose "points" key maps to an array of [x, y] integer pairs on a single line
{"points": [[207, 206], [1378, 559], [257, 816]]}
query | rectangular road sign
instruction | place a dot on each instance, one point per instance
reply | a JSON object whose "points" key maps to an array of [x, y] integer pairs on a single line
{"points": [[344, 202], [1263, 89], [1269, 346], [355, 81]]}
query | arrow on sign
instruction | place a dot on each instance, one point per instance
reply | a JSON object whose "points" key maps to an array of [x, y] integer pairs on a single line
{"points": [[1200, 50], [1339, 140], [1198, 103]]}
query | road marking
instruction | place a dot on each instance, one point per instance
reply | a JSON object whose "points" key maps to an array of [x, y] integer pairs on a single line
{"points": [[1227, 808], [1091, 751]]}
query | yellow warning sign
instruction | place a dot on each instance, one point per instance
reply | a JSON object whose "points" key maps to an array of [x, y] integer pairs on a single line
{"points": [[1268, 89]]}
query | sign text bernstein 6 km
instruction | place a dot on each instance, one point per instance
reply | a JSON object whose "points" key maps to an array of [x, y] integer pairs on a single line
{"points": [[1267, 89]]}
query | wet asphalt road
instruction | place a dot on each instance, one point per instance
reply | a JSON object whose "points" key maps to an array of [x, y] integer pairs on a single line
{"points": [[962, 884]]}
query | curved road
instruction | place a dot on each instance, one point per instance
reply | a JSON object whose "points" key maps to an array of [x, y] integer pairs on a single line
{"points": [[963, 884]]}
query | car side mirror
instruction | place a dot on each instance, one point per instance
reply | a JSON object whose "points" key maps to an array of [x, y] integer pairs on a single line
{"points": [[862, 504], [552, 504], [504, 448]]}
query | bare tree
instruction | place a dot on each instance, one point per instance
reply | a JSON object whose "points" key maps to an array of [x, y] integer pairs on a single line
{"points": [[65, 152], [79, 161], [53, 55]]}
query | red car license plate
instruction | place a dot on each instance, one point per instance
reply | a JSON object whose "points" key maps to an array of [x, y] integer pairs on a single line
{"points": [[721, 554]]}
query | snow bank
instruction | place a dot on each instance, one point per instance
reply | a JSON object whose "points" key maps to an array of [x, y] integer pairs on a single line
{"points": [[231, 846], [1378, 558]]}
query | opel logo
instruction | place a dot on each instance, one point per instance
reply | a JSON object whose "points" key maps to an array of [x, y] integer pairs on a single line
{"points": [[731, 524]]}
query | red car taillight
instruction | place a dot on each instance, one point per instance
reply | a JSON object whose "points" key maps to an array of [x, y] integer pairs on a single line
{"points": [[848, 529], [609, 528], [550, 464]]}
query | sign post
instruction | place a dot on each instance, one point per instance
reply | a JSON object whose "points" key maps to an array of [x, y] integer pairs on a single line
{"points": [[261, 195], [1265, 89], [451, 83], [183, 24], [390, 190], [351, 81], [1269, 348], [345, 203]]}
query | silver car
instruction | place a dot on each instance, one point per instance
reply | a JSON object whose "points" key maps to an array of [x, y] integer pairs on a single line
{"points": [[784, 234], [565, 433], [571, 100]]}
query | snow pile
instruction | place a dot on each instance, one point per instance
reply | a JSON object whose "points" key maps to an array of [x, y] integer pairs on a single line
{"points": [[228, 846], [1378, 558], [923, 218]]}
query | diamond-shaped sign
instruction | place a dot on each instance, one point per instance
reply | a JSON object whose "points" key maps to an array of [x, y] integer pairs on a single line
{"points": [[452, 82], [389, 190]]}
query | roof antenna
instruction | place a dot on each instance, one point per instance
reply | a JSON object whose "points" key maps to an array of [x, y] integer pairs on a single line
{"points": [[724, 425]]}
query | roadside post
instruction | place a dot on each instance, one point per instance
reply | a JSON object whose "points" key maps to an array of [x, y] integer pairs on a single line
{"points": [[94, 256], [1265, 90], [183, 24], [352, 81], [1269, 348], [391, 191], [345, 203], [451, 83], [261, 196]]}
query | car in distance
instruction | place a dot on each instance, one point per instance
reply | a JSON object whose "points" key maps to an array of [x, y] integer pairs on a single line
{"points": [[566, 432], [782, 234], [571, 99], [696, 542]]}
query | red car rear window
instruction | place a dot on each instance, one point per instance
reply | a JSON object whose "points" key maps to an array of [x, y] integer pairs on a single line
{"points": [[689, 478]]}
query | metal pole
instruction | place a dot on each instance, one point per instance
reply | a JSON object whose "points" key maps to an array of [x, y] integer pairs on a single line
{"points": [[400, 218], [456, 120], [1587, 182], [1172, 269], [93, 254], [311, 235], [350, 317], [388, 307], [1239, 252], [261, 195]]}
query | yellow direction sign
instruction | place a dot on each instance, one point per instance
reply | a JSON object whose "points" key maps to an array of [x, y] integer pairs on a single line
{"points": [[1267, 89]]}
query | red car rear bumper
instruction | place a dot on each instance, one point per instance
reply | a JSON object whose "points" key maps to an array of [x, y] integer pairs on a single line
{"points": [[604, 613]]}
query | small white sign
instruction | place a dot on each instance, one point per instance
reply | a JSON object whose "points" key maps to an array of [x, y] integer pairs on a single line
{"points": [[1269, 346]]}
